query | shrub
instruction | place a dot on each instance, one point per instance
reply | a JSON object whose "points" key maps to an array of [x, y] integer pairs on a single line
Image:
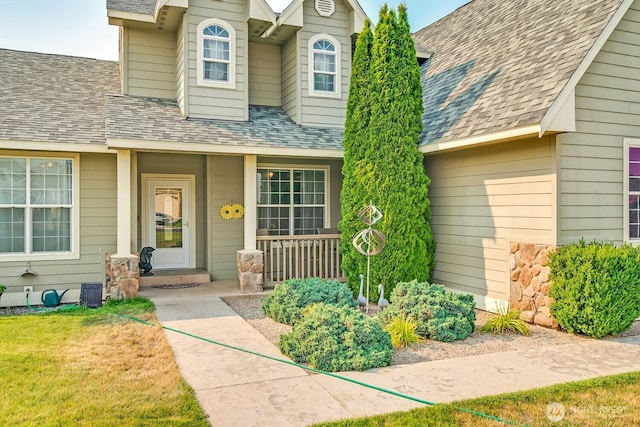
{"points": [[288, 299], [595, 287], [507, 321], [335, 339], [402, 331], [440, 315]]}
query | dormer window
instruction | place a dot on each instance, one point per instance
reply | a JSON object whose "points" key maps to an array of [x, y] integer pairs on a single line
{"points": [[324, 66], [216, 54]]}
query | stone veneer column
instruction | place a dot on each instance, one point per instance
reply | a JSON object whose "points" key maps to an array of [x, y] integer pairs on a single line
{"points": [[250, 267], [122, 276], [530, 282]]}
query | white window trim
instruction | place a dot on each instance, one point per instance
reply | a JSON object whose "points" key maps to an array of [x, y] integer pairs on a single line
{"points": [[338, 84], [327, 186], [627, 143], [201, 81], [75, 216]]}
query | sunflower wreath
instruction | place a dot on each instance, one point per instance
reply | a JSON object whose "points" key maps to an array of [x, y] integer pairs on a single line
{"points": [[232, 211]]}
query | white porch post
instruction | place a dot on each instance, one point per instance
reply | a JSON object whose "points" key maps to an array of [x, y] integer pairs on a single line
{"points": [[122, 275], [250, 201], [124, 204]]}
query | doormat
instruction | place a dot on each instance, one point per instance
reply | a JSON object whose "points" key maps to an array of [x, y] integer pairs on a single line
{"points": [[176, 286]]}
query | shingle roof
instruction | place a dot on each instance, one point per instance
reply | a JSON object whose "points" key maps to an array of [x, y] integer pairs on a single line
{"points": [[144, 7], [499, 65], [54, 98], [154, 119]]}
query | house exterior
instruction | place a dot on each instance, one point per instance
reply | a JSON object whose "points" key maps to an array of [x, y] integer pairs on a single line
{"points": [[531, 141], [219, 119]]}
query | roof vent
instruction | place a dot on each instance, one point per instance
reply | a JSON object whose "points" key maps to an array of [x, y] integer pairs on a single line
{"points": [[325, 7]]}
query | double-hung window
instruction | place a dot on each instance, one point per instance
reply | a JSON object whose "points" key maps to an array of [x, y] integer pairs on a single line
{"points": [[324, 66], [216, 53], [36, 205], [292, 201]]}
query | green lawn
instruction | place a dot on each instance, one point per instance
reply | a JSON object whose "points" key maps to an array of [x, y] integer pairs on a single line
{"points": [[606, 401], [92, 368]]}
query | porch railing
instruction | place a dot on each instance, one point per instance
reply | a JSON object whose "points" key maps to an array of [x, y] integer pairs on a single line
{"points": [[287, 257]]}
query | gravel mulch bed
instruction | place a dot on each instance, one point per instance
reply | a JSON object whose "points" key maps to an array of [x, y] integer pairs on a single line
{"points": [[250, 308]]}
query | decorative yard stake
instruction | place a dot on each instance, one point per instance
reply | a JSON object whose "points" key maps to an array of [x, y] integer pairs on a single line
{"points": [[374, 240]]}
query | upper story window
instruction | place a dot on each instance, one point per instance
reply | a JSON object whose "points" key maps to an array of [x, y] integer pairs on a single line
{"points": [[216, 54], [36, 206], [324, 66]]}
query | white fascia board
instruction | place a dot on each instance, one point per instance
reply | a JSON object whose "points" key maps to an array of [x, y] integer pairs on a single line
{"points": [[569, 88], [260, 10], [205, 148], [565, 118], [293, 15], [67, 147], [490, 138], [359, 16], [130, 16], [174, 3]]}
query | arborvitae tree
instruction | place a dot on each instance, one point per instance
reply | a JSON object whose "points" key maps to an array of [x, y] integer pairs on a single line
{"points": [[354, 142], [389, 169]]}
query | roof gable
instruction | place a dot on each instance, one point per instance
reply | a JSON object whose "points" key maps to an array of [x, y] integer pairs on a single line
{"points": [[501, 65]]}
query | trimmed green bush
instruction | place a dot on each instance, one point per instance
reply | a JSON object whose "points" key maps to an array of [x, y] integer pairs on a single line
{"points": [[336, 339], [440, 315], [288, 299], [595, 287]]}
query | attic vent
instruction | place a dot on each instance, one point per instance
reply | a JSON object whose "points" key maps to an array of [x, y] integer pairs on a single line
{"points": [[325, 7]]}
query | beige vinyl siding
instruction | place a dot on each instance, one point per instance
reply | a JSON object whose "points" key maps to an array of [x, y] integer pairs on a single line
{"points": [[150, 63], [212, 102], [265, 63], [590, 161], [226, 236], [481, 200], [187, 164], [324, 111], [97, 235], [181, 89], [290, 76]]}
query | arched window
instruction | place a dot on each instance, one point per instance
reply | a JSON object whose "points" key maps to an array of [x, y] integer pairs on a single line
{"points": [[216, 53], [324, 66]]}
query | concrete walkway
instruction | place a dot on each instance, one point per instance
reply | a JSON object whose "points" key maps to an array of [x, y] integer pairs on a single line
{"points": [[240, 389]]}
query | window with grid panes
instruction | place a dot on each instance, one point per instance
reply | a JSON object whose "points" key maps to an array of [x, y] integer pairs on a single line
{"points": [[291, 201], [36, 202]]}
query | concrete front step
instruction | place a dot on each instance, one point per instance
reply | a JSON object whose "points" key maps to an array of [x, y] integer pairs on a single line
{"points": [[176, 277]]}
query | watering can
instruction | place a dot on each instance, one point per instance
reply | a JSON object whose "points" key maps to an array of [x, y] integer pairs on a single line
{"points": [[51, 298]]}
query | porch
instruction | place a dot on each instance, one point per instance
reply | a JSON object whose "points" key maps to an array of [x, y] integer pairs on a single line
{"points": [[313, 255]]}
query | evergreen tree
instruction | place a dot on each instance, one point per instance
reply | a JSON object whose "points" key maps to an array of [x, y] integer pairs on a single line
{"points": [[355, 134], [388, 169]]}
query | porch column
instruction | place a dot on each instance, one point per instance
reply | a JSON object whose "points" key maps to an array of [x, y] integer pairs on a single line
{"points": [[124, 203], [122, 276], [250, 201]]}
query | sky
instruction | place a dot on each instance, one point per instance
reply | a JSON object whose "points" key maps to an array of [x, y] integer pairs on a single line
{"points": [[80, 27]]}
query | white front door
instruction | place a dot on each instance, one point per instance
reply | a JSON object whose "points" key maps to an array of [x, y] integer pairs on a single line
{"points": [[169, 224]]}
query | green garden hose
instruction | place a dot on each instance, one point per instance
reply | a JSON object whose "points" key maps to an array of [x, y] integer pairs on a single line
{"points": [[330, 374]]}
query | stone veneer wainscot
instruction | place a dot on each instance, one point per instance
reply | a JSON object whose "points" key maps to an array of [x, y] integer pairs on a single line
{"points": [[530, 282]]}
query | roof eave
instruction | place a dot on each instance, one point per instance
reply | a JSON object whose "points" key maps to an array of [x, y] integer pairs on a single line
{"points": [[208, 148], [67, 147], [486, 139]]}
